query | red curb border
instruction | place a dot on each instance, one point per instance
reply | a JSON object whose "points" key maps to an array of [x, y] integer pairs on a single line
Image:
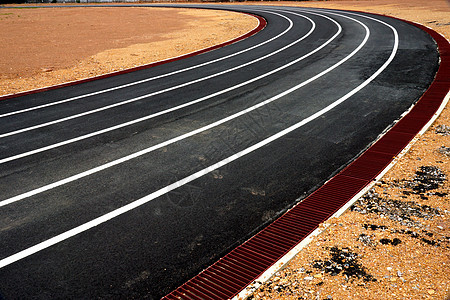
{"points": [[234, 272], [261, 26]]}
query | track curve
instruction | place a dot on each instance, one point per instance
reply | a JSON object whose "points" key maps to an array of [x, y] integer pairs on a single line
{"points": [[134, 190]]}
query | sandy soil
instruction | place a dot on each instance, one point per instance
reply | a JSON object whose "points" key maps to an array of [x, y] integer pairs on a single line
{"points": [[393, 244], [46, 46]]}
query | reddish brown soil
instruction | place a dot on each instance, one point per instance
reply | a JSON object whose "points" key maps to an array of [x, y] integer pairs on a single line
{"points": [[46, 46]]}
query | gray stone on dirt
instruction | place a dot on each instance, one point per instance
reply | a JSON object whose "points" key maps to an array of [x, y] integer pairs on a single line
{"points": [[396, 210], [444, 150], [443, 129]]}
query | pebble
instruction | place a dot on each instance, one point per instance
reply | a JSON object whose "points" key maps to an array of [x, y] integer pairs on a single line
{"points": [[431, 291], [308, 278], [443, 129], [396, 210], [389, 268], [444, 150]]}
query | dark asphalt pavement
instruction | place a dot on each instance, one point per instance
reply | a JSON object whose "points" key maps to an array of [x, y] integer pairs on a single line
{"points": [[129, 192]]}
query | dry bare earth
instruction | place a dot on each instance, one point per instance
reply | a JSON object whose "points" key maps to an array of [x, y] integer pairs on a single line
{"points": [[394, 244], [47, 46]]}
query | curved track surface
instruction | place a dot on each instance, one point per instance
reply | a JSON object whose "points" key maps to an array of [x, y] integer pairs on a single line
{"points": [[130, 185]]}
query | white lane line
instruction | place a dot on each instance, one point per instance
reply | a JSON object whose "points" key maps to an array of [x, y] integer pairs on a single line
{"points": [[158, 146], [102, 219], [247, 291], [150, 79], [89, 135], [186, 135], [237, 39], [147, 95], [179, 138]]}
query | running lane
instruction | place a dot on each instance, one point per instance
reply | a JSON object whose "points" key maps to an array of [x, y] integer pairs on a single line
{"points": [[130, 185]]}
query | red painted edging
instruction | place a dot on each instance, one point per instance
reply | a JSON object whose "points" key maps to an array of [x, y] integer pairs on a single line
{"points": [[262, 24], [239, 268]]}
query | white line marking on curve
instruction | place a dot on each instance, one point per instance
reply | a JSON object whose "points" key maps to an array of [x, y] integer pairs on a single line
{"points": [[144, 96], [149, 79], [247, 291], [102, 219], [168, 142], [92, 134], [238, 39]]}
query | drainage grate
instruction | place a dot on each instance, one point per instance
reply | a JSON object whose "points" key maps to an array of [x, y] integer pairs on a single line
{"points": [[231, 274]]}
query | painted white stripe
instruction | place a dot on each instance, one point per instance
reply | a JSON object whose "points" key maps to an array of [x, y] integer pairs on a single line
{"points": [[152, 78], [76, 139], [102, 219], [151, 94], [181, 137], [246, 292], [118, 72]]}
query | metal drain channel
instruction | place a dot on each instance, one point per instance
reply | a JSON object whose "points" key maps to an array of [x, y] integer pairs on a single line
{"points": [[239, 268]]}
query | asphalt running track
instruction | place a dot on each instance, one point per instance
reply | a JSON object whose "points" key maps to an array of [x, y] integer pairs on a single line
{"points": [[130, 185]]}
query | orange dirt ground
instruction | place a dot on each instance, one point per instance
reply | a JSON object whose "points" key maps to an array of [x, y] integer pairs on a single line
{"points": [[47, 46], [399, 259]]}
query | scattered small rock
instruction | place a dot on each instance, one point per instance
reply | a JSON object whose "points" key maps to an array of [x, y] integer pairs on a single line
{"points": [[416, 235], [46, 70], [427, 178], [343, 261], [443, 129], [429, 242], [393, 242], [444, 150], [374, 227], [366, 240], [396, 210]]}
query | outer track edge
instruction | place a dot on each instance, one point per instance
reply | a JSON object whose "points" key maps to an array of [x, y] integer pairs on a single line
{"points": [[433, 94]]}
